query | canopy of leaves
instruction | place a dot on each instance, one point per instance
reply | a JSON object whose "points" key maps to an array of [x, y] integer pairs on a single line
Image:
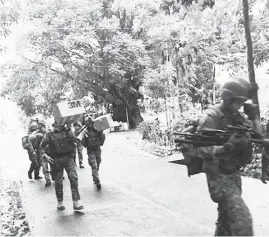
{"points": [[113, 48]]}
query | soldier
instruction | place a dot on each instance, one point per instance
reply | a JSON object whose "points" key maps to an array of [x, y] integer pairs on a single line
{"points": [[79, 147], [27, 143], [222, 163], [92, 140], [44, 163], [61, 143]]}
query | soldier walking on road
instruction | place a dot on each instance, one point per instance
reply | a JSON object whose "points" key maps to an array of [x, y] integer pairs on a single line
{"points": [[79, 147], [27, 143], [92, 140], [61, 143], [44, 163], [222, 163]]}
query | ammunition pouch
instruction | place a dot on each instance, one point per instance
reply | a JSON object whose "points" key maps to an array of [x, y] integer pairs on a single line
{"points": [[62, 144]]}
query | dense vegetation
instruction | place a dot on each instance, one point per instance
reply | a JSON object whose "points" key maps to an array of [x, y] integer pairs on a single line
{"points": [[121, 52]]}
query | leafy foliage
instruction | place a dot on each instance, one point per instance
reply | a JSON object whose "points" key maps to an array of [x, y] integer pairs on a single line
{"points": [[8, 15], [120, 51]]}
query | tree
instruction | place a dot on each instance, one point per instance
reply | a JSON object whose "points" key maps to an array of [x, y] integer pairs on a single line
{"points": [[251, 71], [97, 52], [9, 13]]}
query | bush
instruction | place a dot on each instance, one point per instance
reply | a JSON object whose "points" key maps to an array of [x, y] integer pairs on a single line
{"points": [[186, 119], [153, 132]]}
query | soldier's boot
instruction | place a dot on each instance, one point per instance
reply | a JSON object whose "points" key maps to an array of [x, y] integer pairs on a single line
{"points": [[38, 177], [60, 206], [37, 169], [30, 175], [47, 177], [77, 206], [48, 183], [98, 185]]}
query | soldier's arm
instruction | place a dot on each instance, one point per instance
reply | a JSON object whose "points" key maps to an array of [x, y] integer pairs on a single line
{"points": [[103, 138], [44, 143]]}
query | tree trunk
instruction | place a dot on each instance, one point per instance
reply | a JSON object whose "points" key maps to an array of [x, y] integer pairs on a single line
{"points": [[251, 71], [134, 116]]}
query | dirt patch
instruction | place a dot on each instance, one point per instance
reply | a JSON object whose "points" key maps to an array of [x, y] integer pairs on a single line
{"points": [[13, 218]]}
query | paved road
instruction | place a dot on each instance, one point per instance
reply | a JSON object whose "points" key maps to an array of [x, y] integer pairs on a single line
{"points": [[141, 195]]}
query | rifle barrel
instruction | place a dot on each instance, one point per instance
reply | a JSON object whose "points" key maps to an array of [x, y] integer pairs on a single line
{"points": [[195, 142]]}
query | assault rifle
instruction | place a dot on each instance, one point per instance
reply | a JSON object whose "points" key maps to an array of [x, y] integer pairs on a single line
{"points": [[216, 137], [81, 129], [211, 137]]}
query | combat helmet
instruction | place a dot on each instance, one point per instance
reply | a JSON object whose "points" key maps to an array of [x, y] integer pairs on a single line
{"points": [[33, 127], [87, 119], [42, 122], [238, 88]]}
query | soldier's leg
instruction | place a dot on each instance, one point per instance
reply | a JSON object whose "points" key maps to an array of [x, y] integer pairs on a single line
{"points": [[58, 175], [37, 167], [93, 163], [222, 226], [73, 178], [45, 168], [80, 156], [52, 171], [240, 219], [234, 215], [98, 159], [75, 156], [31, 169]]}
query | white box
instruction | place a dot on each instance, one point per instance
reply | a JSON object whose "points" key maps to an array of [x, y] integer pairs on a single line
{"points": [[68, 112], [103, 122]]}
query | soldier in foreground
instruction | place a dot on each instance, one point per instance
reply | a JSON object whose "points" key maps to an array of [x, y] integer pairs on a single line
{"points": [[61, 142], [92, 140], [222, 163]]}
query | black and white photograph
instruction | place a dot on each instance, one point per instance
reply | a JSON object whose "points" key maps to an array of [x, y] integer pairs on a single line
{"points": [[134, 117]]}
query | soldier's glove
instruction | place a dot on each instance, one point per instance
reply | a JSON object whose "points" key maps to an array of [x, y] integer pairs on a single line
{"points": [[251, 110], [236, 141], [48, 159]]}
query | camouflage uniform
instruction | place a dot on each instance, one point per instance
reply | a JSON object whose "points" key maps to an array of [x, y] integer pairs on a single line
{"points": [[79, 149], [224, 183], [61, 143], [27, 145], [92, 140], [30, 144]]}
